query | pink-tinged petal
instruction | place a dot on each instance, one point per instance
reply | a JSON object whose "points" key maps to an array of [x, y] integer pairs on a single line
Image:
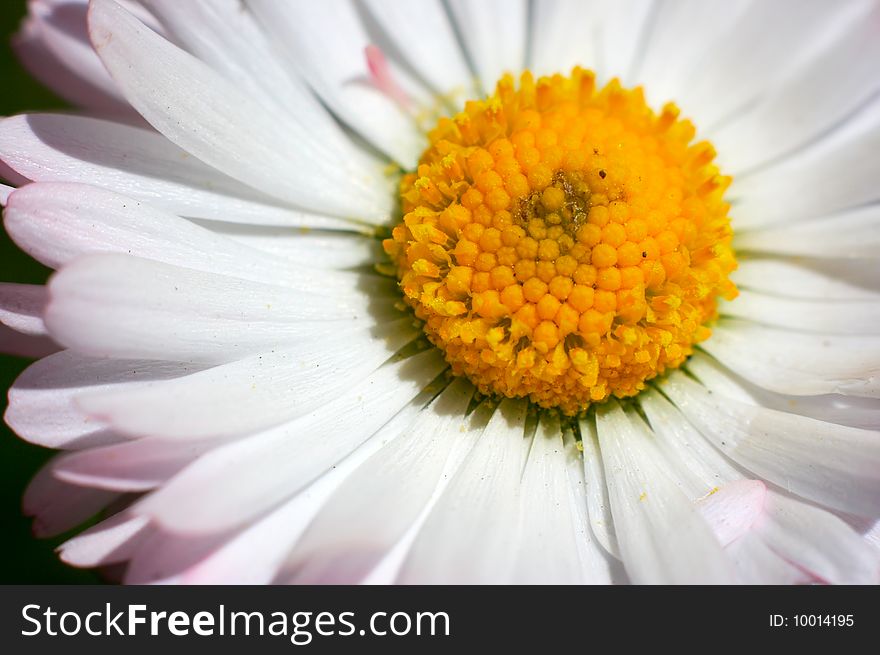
{"points": [[338, 72], [835, 465], [15, 343], [59, 506], [872, 535], [435, 53], [383, 77], [756, 563], [5, 192], [111, 541], [131, 466], [161, 557], [53, 46], [9, 174], [21, 308], [731, 510], [42, 401]]}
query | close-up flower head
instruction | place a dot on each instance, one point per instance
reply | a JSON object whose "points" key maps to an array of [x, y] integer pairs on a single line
{"points": [[450, 291]]}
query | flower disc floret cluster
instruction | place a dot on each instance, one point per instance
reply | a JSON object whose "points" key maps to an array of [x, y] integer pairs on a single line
{"points": [[562, 242]]}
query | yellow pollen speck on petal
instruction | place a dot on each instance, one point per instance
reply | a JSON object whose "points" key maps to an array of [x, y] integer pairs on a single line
{"points": [[564, 243]]}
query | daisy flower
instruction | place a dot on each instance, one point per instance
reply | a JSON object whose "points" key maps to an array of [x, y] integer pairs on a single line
{"points": [[465, 291]]}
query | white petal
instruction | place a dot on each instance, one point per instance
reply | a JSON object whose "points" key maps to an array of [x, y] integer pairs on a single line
{"points": [[838, 466], [565, 34], [730, 76], [111, 541], [254, 393], [249, 476], [824, 90], [621, 34], [388, 570], [598, 505], [797, 188], [143, 164], [818, 542], [547, 548], [423, 32], [699, 467], [256, 554], [872, 535], [597, 565], [811, 278], [337, 70], [377, 504], [57, 222], [678, 36], [320, 249], [132, 466], [746, 509], [798, 363], [850, 234], [494, 34], [829, 317], [225, 36], [833, 408], [471, 533], [21, 307], [58, 506], [42, 407], [120, 306], [733, 509], [662, 537], [217, 122]]}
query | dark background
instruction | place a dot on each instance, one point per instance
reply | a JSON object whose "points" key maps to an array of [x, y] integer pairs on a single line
{"points": [[23, 558]]}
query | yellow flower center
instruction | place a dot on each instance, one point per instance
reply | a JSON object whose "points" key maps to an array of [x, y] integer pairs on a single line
{"points": [[564, 243]]}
